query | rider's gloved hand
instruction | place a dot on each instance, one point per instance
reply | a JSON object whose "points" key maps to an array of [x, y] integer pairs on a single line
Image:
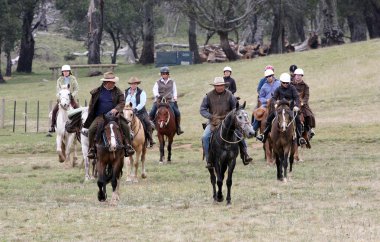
{"points": [[296, 109], [135, 110]]}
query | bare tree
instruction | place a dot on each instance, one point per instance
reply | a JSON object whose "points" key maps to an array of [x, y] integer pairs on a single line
{"points": [[147, 54], [95, 30], [372, 13], [220, 16]]}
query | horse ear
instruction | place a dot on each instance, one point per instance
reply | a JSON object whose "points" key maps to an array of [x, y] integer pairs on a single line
{"points": [[243, 106], [130, 104]]}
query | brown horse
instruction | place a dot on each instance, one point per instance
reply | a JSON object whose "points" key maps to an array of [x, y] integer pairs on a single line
{"points": [[267, 146], [282, 136], [110, 154], [166, 127], [139, 144], [306, 134]]}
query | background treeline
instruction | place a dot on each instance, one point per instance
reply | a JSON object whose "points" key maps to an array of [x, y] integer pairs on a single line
{"points": [[140, 23]]}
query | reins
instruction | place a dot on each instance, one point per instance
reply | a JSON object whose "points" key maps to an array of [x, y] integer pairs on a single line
{"points": [[227, 141]]}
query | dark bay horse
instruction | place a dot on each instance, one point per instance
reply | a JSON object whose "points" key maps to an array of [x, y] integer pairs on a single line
{"points": [[166, 127], [283, 138], [224, 149], [110, 154]]}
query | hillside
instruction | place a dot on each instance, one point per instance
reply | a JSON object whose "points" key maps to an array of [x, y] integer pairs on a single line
{"points": [[332, 196]]}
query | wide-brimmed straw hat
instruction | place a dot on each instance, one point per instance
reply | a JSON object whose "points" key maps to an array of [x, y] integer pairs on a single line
{"points": [[134, 80], [259, 112], [109, 77], [218, 81]]}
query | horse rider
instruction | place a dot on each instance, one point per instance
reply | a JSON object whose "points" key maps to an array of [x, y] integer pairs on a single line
{"points": [[68, 79], [266, 93], [288, 92], [166, 88], [106, 99], [227, 71], [137, 97], [292, 68], [264, 79], [303, 92], [215, 107]]}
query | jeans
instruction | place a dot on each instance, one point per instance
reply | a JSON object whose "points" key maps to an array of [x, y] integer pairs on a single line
{"points": [[206, 140]]}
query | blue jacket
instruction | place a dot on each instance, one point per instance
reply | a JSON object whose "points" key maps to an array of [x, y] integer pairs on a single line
{"points": [[267, 91]]}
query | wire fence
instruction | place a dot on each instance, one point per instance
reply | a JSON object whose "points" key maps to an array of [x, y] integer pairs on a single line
{"points": [[26, 116]]}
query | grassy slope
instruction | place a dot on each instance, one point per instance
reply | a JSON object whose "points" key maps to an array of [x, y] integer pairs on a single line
{"points": [[333, 196]]}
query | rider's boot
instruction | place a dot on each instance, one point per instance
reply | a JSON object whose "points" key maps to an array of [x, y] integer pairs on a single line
{"points": [[263, 137], [300, 139], [92, 151], [209, 165], [244, 154], [53, 119], [312, 133], [178, 122]]}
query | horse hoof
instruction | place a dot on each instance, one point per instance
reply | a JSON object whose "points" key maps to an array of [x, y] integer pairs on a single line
{"points": [[228, 204], [161, 162], [220, 199], [143, 176]]}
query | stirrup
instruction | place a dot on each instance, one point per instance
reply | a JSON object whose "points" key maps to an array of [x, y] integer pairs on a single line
{"points": [[209, 165], [52, 129], [302, 141], [91, 153], [179, 131], [260, 137]]}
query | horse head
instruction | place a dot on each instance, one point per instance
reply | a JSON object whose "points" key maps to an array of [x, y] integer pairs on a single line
{"points": [[163, 115], [128, 112], [64, 97], [112, 136], [242, 121], [283, 114]]}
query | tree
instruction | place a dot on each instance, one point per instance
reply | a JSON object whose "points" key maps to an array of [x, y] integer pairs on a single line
{"points": [[354, 11], [95, 16], [372, 17], [331, 30], [193, 45], [220, 16], [25, 61], [147, 54]]}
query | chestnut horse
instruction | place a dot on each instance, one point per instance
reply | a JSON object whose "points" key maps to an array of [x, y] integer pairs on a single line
{"points": [[139, 144], [166, 127], [283, 138], [110, 155], [224, 149]]}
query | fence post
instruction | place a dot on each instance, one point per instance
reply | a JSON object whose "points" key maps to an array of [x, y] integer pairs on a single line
{"points": [[38, 115], [26, 115], [2, 113], [14, 116]]}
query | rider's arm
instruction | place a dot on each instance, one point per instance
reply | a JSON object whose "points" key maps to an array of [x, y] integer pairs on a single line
{"points": [[174, 91], [156, 94], [263, 96], [75, 86], [306, 93], [204, 108]]}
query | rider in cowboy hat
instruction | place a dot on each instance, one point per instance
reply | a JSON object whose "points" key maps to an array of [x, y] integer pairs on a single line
{"points": [[215, 106], [106, 99]]}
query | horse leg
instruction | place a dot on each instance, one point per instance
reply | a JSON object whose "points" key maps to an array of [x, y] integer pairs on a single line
{"points": [[102, 195], [219, 181], [136, 163], [213, 182], [61, 156], [143, 172], [170, 142], [268, 153], [117, 168], [69, 142], [129, 171], [229, 181], [162, 147], [278, 165], [84, 143]]}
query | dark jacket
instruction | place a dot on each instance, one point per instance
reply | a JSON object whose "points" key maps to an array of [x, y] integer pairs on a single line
{"points": [[303, 91], [117, 99], [231, 84], [290, 93]]}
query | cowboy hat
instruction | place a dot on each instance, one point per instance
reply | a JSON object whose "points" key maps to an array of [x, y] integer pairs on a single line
{"points": [[134, 80], [218, 81], [259, 112], [109, 77]]}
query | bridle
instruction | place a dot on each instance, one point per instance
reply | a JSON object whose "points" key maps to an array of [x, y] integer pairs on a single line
{"points": [[240, 138]]}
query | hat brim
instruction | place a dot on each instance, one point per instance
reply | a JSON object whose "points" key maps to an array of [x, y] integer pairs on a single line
{"points": [[220, 84], [134, 82], [259, 113], [116, 79]]}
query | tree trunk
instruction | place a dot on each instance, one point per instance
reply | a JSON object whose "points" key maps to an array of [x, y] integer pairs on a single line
{"points": [[358, 27], [95, 22], [43, 26], [277, 39], [116, 45], [372, 19], [27, 42], [147, 53], [225, 44], [331, 30], [193, 45], [1, 75], [8, 70]]}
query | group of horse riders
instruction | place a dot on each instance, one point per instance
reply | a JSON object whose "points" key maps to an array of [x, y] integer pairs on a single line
{"points": [[220, 101], [108, 101], [292, 88]]}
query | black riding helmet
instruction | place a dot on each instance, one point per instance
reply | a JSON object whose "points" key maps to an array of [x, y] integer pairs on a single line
{"points": [[292, 68]]}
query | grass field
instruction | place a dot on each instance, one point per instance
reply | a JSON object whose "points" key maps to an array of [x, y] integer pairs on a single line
{"points": [[334, 195]]}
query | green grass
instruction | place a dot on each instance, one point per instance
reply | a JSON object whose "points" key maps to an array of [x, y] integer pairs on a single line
{"points": [[332, 196]]}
